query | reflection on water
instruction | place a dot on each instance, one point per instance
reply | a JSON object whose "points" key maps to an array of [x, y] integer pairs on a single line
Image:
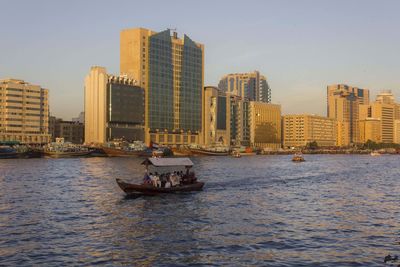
{"points": [[263, 210]]}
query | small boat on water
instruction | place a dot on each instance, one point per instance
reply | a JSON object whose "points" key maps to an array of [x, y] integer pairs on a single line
{"points": [[236, 154], [7, 152], [298, 157], [167, 182], [214, 150], [375, 153]]}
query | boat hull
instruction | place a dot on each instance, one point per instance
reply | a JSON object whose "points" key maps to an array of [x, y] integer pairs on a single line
{"points": [[67, 154], [208, 153], [113, 152], [151, 190]]}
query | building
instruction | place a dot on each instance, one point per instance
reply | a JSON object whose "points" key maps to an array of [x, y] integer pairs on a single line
{"points": [[252, 86], [71, 131], [343, 105], [171, 70], [396, 138], [386, 113], [217, 116], [239, 121], [265, 125], [114, 107], [24, 112], [370, 129], [80, 118], [299, 130]]}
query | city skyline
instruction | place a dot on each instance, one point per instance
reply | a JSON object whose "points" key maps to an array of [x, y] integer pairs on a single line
{"points": [[301, 47]]}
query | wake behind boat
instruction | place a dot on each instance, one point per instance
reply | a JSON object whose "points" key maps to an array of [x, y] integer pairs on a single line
{"points": [[172, 178]]}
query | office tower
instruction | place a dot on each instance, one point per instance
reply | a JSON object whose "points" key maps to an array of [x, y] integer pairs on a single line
{"points": [[24, 112], [299, 130], [114, 107], [171, 70], [265, 125], [239, 121], [217, 119], [386, 113], [252, 86], [343, 105], [370, 129], [396, 138]]}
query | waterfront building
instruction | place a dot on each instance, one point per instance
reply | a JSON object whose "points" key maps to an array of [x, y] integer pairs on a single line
{"points": [[114, 107], [71, 131], [396, 138], [299, 130], [24, 112], [265, 125], [171, 70], [80, 118], [370, 129], [385, 112], [239, 121], [343, 105], [252, 86], [217, 117]]}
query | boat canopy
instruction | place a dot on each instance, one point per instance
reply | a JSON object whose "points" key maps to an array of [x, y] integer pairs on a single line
{"points": [[168, 162]]}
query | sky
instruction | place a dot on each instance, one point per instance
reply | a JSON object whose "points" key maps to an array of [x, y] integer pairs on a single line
{"points": [[300, 46]]}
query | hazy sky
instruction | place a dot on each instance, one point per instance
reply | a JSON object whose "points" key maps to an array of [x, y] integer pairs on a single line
{"points": [[301, 46]]}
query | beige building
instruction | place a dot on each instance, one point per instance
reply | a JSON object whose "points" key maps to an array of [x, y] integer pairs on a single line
{"points": [[217, 116], [24, 112], [114, 108], [252, 86], [171, 70], [396, 132], [343, 105], [299, 130], [370, 129], [71, 131], [265, 125], [385, 112]]}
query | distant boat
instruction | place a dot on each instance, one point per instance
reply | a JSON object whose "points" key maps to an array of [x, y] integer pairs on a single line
{"points": [[215, 150], [7, 152], [298, 157], [375, 153], [236, 154], [61, 149]]}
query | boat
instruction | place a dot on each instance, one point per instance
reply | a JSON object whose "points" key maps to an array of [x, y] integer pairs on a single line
{"points": [[7, 152], [298, 157], [187, 183], [215, 150], [375, 153], [236, 154], [119, 148], [61, 149]]}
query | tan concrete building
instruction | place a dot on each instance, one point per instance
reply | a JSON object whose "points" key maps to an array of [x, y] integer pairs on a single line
{"points": [[370, 129], [24, 112], [240, 121], [385, 112], [343, 105], [217, 116], [114, 108], [252, 86], [265, 125], [299, 130], [171, 70], [396, 132]]}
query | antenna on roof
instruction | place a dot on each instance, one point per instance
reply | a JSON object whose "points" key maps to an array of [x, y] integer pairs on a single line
{"points": [[174, 33]]}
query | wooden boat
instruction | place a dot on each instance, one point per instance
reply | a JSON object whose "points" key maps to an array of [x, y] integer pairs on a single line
{"points": [[208, 152], [66, 154], [188, 182], [118, 152], [236, 154], [375, 153], [298, 158], [148, 189], [7, 152]]}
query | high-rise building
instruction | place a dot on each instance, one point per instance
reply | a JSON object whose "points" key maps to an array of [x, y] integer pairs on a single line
{"points": [[265, 125], [299, 130], [171, 70], [239, 121], [385, 112], [396, 138], [114, 107], [217, 119], [252, 86], [343, 105], [370, 129], [24, 112]]}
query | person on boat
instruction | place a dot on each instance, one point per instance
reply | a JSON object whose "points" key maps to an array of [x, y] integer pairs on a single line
{"points": [[146, 178]]}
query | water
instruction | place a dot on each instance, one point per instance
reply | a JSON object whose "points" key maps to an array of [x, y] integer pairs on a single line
{"points": [[338, 210]]}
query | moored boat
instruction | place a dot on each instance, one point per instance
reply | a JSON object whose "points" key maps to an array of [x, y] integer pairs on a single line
{"points": [[375, 153], [61, 149], [7, 152], [236, 154], [167, 182]]}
